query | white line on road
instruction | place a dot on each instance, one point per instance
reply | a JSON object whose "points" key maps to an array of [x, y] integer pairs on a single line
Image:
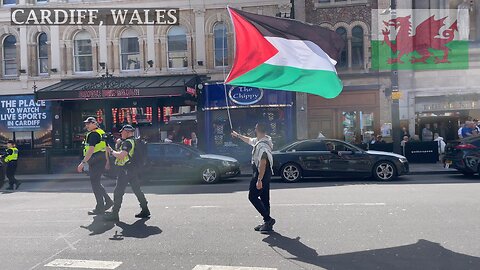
{"points": [[220, 267], [298, 204], [86, 264], [62, 250]]}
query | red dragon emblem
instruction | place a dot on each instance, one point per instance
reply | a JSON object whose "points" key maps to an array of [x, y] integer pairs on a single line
{"points": [[427, 37]]}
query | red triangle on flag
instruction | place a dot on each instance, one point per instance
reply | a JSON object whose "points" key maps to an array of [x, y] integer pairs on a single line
{"points": [[251, 50]]}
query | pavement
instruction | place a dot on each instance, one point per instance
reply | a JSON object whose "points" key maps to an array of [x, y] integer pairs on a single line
{"points": [[415, 169], [420, 222]]}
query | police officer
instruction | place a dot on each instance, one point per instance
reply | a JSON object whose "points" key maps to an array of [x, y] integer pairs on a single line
{"points": [[126, 174], [95, 156], [11, 161]]}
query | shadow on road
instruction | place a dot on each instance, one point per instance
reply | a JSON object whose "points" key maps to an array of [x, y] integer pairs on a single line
{"points": [[423, 255], [99, 226], [136, 230]]}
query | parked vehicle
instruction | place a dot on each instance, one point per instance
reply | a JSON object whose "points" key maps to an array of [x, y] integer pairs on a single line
{"points": [[463, 155], [332, 158], [178, 161]]}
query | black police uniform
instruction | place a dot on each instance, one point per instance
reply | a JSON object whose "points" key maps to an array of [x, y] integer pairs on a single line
{"points": [[12, 168], [127, 174], [96, 168]]}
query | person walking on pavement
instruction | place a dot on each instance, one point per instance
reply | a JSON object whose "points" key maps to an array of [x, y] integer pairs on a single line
{"points": [[262, 162], [10, 160], [95, 156], [126, 174]]}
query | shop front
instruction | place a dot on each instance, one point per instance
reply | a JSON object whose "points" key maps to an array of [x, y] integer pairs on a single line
{"points": [[247, 106], [152, 105], [445, 114], [29, 124], [353, 116]]}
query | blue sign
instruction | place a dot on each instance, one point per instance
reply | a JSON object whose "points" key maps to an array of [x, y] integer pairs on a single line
{"points": [[243, 95], [22, 113], [216, 96]]}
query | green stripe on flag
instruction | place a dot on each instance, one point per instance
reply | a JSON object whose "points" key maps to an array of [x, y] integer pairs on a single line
{"points": [[318, 82], [457, 57]]}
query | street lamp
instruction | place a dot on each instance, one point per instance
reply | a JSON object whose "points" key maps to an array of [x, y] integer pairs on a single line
{"points": [[103, 65]]}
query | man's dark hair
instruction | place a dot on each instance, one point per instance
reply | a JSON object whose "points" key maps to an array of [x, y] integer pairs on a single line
{"points": [[262, 127], [11, 141]]}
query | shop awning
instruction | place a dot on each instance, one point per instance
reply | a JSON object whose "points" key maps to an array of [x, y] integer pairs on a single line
{"points": [[119, 87]]}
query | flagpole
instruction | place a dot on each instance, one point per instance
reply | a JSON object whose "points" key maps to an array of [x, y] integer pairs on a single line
{"points": [[224, 74]]}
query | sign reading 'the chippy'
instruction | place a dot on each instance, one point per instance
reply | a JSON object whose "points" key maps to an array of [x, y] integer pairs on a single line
{"points": [[22, 113]]}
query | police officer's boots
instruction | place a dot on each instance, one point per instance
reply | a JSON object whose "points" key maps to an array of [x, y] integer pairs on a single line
{"points": [[145, 213]]}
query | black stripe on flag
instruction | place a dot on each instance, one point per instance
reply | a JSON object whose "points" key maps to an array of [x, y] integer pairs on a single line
{"points": [[329, 41]]}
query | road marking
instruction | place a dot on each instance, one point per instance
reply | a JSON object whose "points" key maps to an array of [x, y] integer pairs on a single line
{"points": [[220, 267], [62, 250], [330, 204], [86, 264], [298, 204]]}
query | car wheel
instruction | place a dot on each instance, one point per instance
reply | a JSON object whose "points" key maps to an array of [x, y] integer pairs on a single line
{"points": [[384, 171], [291, 173], [210, 175]]}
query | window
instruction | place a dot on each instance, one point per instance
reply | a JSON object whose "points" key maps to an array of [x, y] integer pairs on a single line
{"points": [[221, 52], [177, 47], [82, 52], [10, 56], [323, 3], [343, 61], [42, 52], [309, 146], [42, 1], [357, 46], [9, 2], [129, 50]]}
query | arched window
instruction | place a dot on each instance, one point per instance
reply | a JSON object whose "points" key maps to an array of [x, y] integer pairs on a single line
{"points": [[42, 52], [220, 43], [10, 56], [129, 50], [177, 47], [82, 52], [357, 46], [343, 61]]}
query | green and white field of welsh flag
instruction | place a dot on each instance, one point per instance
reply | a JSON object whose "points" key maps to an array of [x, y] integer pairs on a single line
{"points": [[419, 39]]}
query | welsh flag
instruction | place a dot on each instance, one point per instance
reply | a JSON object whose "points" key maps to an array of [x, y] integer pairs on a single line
{"points": [[284, 54], [419, 39]]}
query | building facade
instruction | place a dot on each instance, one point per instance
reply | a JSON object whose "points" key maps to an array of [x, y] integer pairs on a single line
{"points": [[55, 60]]}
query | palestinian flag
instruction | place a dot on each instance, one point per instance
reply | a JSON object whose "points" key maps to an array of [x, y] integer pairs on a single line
{"points": [[284, 54], [420, 39]]}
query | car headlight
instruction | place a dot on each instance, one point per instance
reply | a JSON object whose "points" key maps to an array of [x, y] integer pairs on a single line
{"points": [[403, 160]]}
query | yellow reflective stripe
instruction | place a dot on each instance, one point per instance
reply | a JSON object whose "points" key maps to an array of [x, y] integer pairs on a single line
{"points": [[101, 146], [126, 159], [13, 156]]}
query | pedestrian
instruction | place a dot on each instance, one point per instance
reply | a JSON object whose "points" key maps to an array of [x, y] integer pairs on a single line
{"points": [[459, 132], [467, 130], [403, 143], [169, 139], [379, 139], [10, 160], [124, 159], [262, 162], [441, 145], [96, 157], [427, 134], [405, 132], [194, 140]]}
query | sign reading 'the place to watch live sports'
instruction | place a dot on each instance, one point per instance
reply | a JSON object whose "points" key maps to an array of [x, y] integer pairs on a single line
{"points": [[22, 113]]}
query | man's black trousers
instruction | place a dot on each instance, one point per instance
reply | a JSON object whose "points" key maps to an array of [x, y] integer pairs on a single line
{"points": [[96, 169], [261, 198], [11, 169], [126, 176]]}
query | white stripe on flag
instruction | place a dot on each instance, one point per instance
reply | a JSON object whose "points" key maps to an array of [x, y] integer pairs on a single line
{"points": [[86, 264], [302, 54]]}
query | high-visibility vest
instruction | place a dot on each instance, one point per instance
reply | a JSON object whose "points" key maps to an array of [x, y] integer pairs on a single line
{"points": [[126, 159], [101, 146], [13, 156]]}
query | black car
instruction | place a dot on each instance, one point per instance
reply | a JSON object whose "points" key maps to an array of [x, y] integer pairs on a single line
{"points": [[170, 160], [333, 158], [463, 155]]}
